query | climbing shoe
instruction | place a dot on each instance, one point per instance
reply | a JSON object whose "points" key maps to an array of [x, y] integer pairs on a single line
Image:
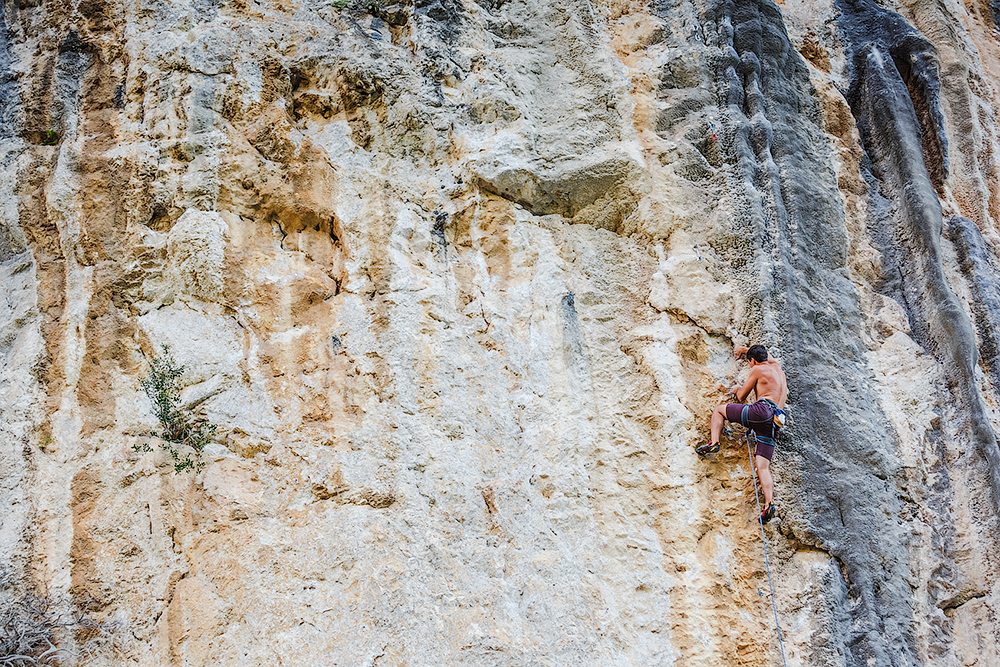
{"points": [[710, 448], [767, 514]]}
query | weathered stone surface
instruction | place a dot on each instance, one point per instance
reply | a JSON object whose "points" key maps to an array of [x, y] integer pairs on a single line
{"points": [[458, 284]]}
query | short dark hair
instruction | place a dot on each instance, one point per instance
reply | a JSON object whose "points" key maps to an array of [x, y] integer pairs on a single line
{"points": [[758, 353]]}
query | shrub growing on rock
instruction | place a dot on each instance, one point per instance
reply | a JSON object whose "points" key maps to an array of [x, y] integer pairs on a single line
{"points": [[179, 425]]}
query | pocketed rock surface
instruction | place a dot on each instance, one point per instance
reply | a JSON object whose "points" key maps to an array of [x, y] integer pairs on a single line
{"points": [[458, 285]]}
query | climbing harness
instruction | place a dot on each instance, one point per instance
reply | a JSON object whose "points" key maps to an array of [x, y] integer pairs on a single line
{"points": [[777, 422], [760, 519], [779, 415]]}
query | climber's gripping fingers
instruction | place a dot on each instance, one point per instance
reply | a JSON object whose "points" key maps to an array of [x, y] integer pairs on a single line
{"points": [[729, 390]]}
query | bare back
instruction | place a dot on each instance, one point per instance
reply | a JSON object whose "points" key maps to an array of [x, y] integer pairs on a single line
{"points": [[768, 379]]}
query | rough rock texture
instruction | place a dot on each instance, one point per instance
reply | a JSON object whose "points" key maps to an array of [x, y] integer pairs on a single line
{"points": [[458, 284]]}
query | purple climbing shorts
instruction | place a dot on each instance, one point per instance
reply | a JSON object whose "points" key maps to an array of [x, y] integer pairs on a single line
{"points": [[759, 418]]}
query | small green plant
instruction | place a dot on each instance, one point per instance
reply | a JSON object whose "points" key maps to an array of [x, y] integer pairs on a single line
{"points": [[340, 4], [179, 426], [50, 138]]}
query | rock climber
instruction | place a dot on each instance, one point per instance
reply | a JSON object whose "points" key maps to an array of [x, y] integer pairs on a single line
{"points": [[768, 380]]}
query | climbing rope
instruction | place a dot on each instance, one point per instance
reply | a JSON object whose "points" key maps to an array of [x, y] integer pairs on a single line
{"points": [[760, 519]]}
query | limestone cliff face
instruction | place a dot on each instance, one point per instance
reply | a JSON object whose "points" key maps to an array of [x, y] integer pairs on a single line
{"points": [[458, 284]]}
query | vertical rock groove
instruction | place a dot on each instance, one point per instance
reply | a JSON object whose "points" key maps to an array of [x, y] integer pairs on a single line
{"points": [[892, 138], [915, 59], [978, 266]]}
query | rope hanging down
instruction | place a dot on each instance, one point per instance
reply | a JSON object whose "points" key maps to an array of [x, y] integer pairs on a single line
{"points": [[760, 519]]}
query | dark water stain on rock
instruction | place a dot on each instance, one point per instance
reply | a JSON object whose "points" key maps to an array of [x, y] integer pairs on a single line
{"points": [[891, 133], [8, 84], [802, 302], [981, 272], [438, 232], [867, 27], [445, 16], [9, 103], [574, 343], [907, 218]]}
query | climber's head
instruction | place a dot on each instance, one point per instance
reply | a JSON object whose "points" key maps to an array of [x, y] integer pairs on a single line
{"points": [[757, 353]]}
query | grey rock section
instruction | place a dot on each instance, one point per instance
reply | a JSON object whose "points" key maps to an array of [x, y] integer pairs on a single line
{"points": [[911, 241], [17, 283], [443, 17], [907, 220], [8, 82], [790, 217], [9, 243], [980, 271], [871, 27]]}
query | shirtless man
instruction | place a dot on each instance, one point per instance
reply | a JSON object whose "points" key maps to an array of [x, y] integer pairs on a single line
{"points": [[768, 380]]}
